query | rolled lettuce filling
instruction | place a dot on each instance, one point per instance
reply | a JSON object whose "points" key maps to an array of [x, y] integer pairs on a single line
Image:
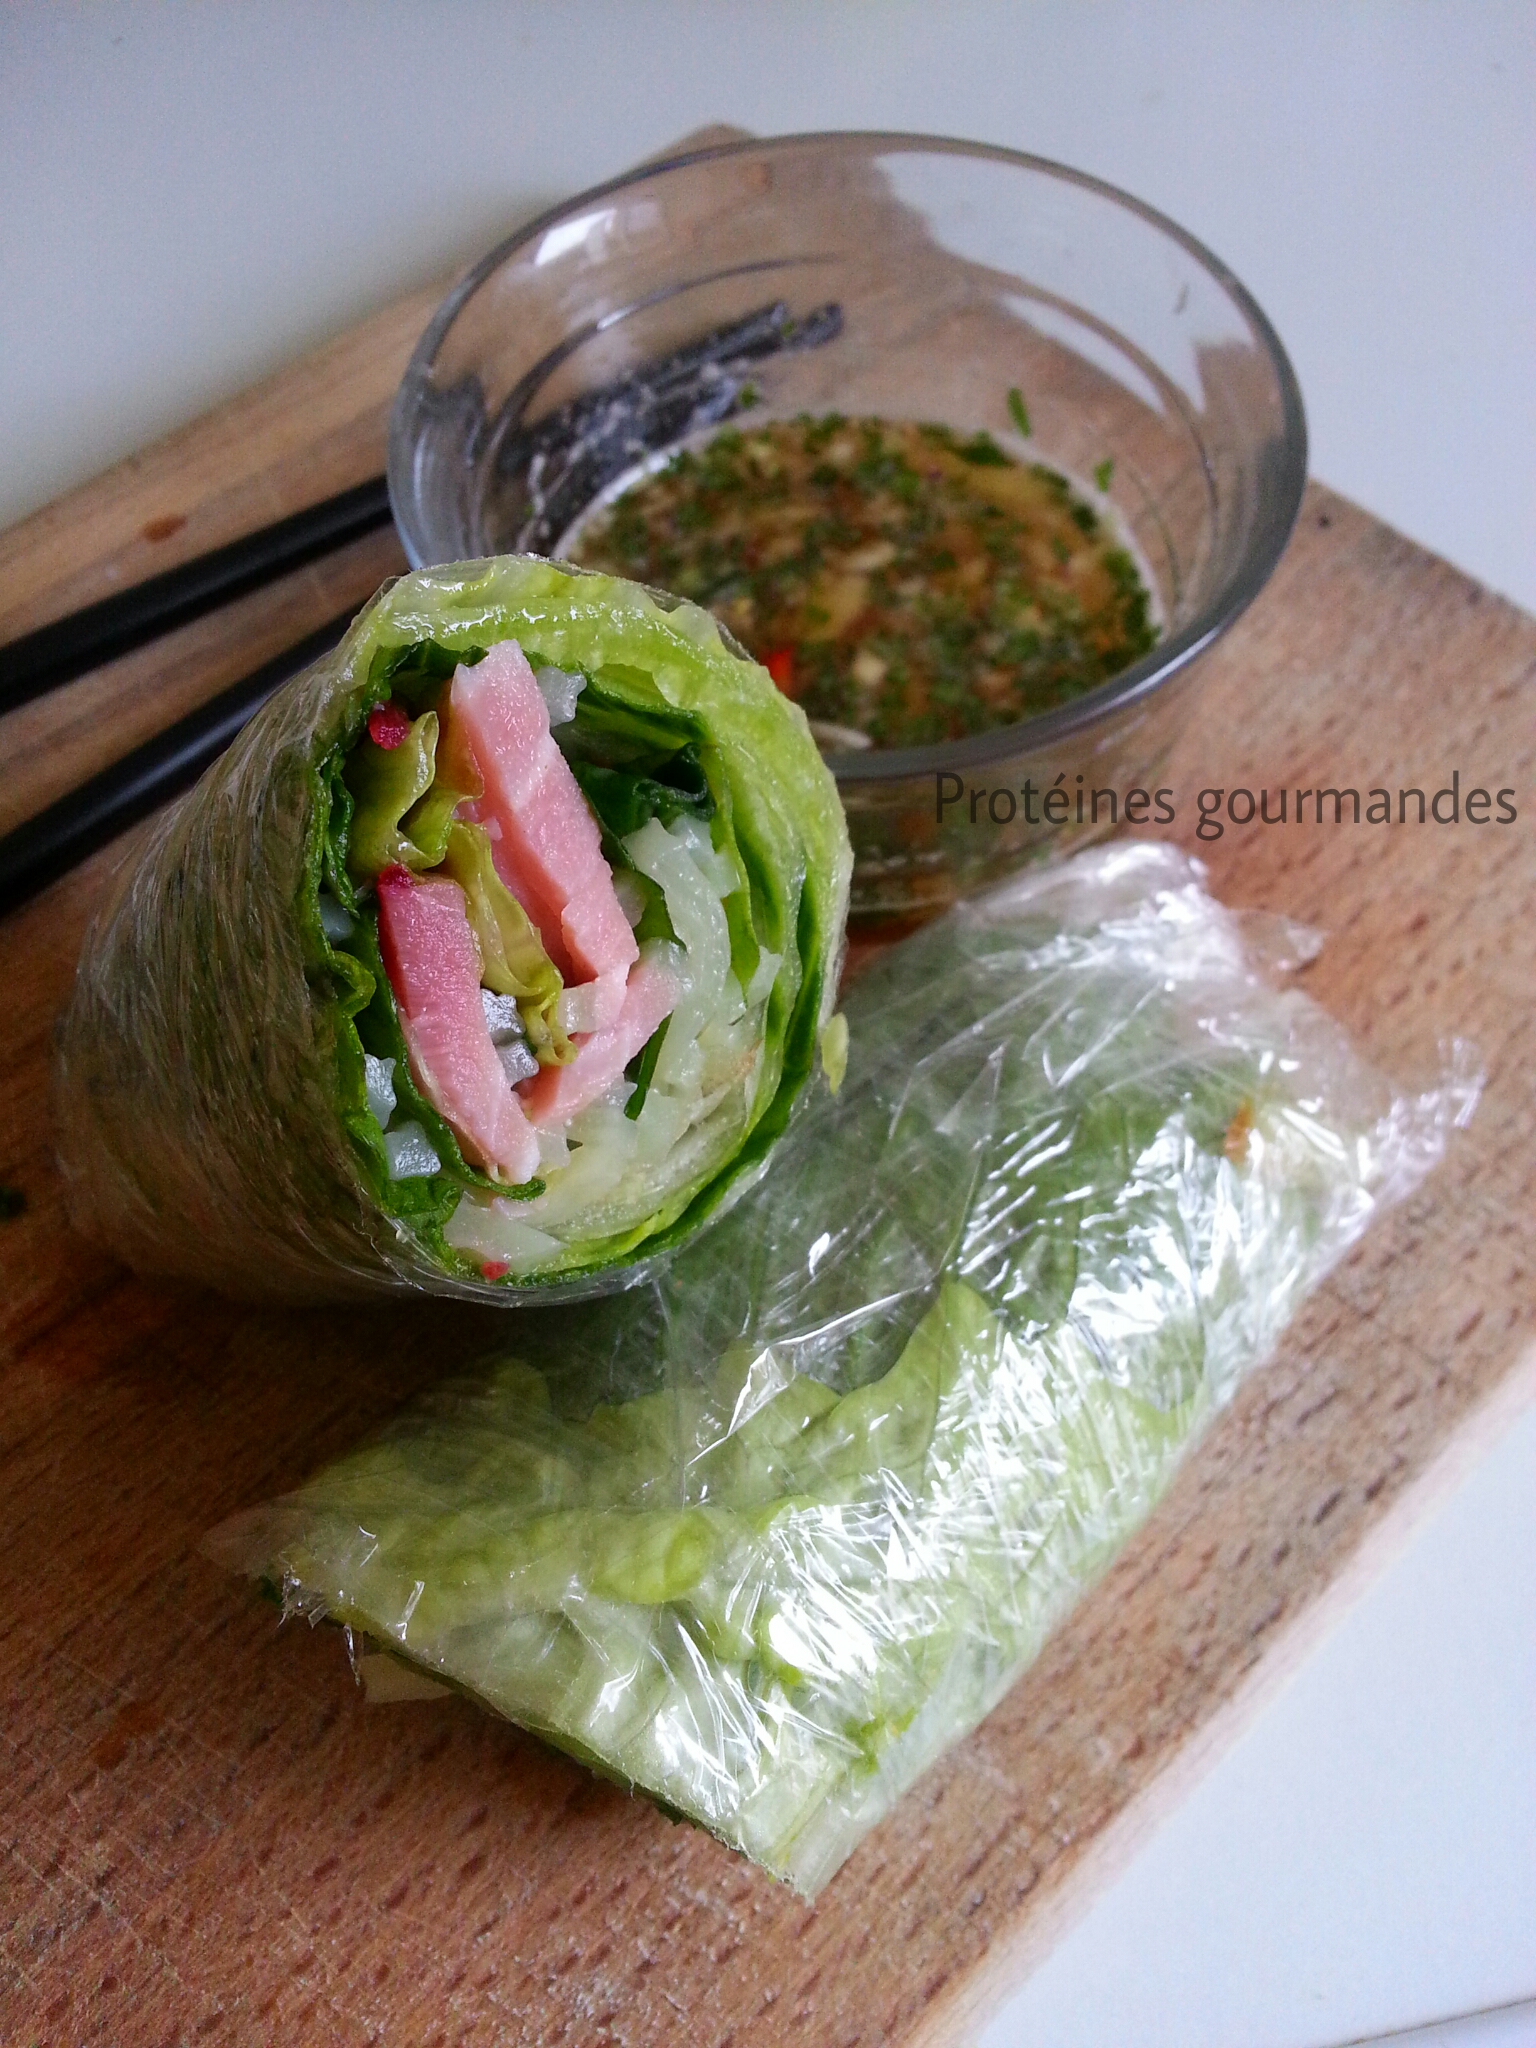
{"points": [[556, 940], [538, 884]]}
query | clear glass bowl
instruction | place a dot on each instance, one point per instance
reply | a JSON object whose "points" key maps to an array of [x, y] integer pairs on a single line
{"points": [[913, 278]]}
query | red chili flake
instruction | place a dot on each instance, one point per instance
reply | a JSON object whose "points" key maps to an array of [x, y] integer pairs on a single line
{"points": [[388, 725], [396, 877], [493, 1269], [780, 664], [1239, 1131]]}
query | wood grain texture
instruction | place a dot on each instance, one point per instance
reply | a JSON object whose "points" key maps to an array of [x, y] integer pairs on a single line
{"points": [[206, 1834]]}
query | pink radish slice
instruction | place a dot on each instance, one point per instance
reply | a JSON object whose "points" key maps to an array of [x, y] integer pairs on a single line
{"points": [[557, 1093], [433, 966], [545, 843]]}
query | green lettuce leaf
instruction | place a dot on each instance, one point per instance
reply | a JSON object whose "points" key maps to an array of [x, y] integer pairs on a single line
{"points": [[385, 783], [512, 956], [624, 801]]}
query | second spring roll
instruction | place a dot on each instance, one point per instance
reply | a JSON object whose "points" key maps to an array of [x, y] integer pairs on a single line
{"points": [[764, 1539]]}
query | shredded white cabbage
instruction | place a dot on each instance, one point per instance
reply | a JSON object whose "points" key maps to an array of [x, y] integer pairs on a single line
{"points": [[494, 1229], [554, 1151], [672, 859], [581, 1008], [626, 886], [767, 974], [694, 839]]}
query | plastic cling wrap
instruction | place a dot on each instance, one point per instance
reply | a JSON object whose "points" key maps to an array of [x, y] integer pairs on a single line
{"points": [[766, 1536], [490, 959]]}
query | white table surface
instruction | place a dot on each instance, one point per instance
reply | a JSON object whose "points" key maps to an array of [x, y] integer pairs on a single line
{"points": [[193, 193]]}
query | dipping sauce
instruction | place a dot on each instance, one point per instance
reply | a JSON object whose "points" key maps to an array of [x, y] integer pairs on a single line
{"points": [[903, 583]]}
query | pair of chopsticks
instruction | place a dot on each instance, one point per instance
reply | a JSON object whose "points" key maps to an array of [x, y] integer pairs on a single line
{"points": [[59, 837]]}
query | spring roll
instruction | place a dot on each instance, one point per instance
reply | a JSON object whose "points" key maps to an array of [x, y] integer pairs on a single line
{"points": [[489, 960]]}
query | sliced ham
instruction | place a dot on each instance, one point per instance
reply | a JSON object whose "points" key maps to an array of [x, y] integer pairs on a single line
{"points": [[556, 1095], [545, 841], [433, 966]]}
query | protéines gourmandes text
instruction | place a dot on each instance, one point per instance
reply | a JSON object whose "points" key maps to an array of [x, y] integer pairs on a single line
{"points": [[957, 801]]}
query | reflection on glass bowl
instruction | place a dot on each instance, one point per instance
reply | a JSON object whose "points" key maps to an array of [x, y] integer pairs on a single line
{"points": [[910, 279]]}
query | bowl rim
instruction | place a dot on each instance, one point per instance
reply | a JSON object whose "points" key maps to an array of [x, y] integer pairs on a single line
{"points": [[1168, 658]]}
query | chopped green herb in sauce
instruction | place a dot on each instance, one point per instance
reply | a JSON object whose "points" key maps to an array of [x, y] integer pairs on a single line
{"points": [[902, 582]]}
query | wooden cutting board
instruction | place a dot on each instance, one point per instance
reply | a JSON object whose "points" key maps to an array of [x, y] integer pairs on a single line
{"points": [[205, 1829]]}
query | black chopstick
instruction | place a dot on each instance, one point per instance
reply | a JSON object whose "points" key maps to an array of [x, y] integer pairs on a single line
{"points": [[590, 440], [47, 845], [57, 653]]}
